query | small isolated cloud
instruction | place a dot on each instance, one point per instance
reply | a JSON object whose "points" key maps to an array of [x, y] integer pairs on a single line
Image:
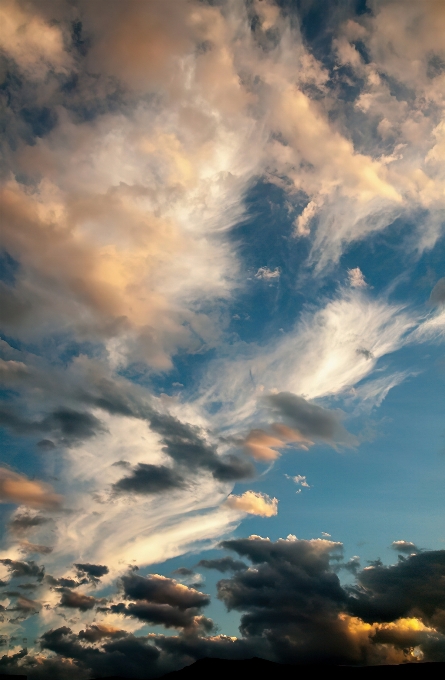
{"points": [[437, 296], [254, 504], [299, 479], [308, 419], [23, 522], [93, 572], [405, 547], [262, 445], [223, 564], [28, 547], [80, 601], [356, 278], [325, 534], [267, 274], [302, 223], [15, 488]]}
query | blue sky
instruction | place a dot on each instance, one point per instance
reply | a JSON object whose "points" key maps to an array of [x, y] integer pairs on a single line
{"points": [[223, 316]]}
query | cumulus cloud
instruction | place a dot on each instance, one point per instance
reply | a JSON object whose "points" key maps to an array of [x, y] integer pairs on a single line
{"points": [[404, 547], [267, 274], [15, 488], [76, 600], [254, 503], [356, 278]]}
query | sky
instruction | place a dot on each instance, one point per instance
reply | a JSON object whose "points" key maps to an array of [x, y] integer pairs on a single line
{"points": [[222, 312]]}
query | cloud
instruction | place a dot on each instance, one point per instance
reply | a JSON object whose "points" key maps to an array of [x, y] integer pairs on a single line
{"points": [[410, 587], [267, 274], [356, 278], [300, 480], [223, 564], [18, 569], [161, 590], [93, 571], [308, 418], [28, 547], [74, 600], [437, 296], [15, 488], [405, 547], [254, 503], [159, 600], [99, 631], [149, 479], [24, 521]]}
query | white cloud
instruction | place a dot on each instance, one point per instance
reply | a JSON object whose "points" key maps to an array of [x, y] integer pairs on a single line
{"points": [[299, 479], [253, 503], [356, 278], [267, 274]]}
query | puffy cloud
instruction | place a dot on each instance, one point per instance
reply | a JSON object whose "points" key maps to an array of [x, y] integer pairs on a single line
{"points": [[404, 547], [35, 45], [356, 278], [267, 274], [15, 488], [159, 600], [75, 600], [410, 587], [254, 503], [149, 479]]}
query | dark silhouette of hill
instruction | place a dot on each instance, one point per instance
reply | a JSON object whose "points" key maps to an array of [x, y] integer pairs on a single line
{"points": [[253, 669]]}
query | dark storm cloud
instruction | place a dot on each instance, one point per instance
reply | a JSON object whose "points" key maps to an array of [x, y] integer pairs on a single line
{"points": [[414, 586], [223, 564], [437, 296], [160, 590], [80, 601], [308, 418], [93, 571], [18, 569], [291, 598], [149, 479], [128, 656], [24, 522]]}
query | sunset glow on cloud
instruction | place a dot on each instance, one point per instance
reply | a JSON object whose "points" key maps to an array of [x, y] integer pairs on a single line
{"points": [[222, 309]]}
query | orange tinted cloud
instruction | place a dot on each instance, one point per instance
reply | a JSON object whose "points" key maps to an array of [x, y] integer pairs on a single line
{"points": [[15, 488], [254, 504]]}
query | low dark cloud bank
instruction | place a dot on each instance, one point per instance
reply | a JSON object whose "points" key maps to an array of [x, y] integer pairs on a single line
{"points": [[293, 609]]}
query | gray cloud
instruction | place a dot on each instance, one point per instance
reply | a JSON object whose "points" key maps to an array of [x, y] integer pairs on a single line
{"points": [[309, 418], [75, 600], [18, 569], [414, 586], [24, 522], [149, 479], [437, 296], [94, 572], [162, 590], [223, 564]]}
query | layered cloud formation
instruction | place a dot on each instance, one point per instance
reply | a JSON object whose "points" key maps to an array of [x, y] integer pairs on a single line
{"points": [[221, 250]]}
